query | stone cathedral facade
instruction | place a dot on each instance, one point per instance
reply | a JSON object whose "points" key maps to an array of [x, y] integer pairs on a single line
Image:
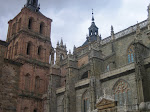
{"points": [[102, 75]]}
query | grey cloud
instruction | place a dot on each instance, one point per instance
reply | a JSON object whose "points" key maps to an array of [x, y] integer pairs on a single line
{"points": [[71, 18]]}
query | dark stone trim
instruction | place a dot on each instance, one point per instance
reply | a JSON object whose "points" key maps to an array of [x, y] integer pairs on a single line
{"points": [[13, 62], [4, 43], [81, 87], [118, 75]]}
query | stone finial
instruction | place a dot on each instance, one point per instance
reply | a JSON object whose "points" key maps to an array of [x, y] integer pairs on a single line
{"points": [[74, 48], [65, 47], [112, 33], [92, 16], [61, 43], [98, 38], [104, 91], [58, 43], [138, 30]]}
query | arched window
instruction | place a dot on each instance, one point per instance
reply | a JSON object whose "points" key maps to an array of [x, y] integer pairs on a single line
{"points": [[122, 93], [85, 75], [16, 48], [35, 110], [19, 24], [50, 57], [37, 83], [25, 109], [30, 24], [108, 67], [27, 82], [39, 50], [85, 102], [14, 29], [42, 28], [29, 45], [61, 57], [131, 54]]}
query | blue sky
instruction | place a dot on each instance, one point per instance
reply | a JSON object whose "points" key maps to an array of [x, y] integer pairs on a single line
{"points": [[72, 18]]}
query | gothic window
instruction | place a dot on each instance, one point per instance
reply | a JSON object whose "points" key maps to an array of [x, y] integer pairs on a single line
{"points": [[16, 48], [85, 102], [39, 50], [37, 83], [108, 67], [27, 81], [14, 29], [85, 75], [131, 54], [61, 57], [42, 28], [122, 93], [30, 24], [19, 24], [29, 48]]}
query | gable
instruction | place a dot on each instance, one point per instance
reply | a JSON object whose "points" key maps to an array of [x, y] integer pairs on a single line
{"points": [[105, 103]]}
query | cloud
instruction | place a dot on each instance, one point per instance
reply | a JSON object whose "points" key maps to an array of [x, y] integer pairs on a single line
{"points": [[72, 18]]}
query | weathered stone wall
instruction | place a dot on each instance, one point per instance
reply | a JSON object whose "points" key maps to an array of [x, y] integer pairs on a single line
{"points": [[9, 84]]}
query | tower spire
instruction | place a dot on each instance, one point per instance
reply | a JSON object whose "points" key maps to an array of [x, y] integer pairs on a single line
{"points": [[33, 5], [92, 16]]}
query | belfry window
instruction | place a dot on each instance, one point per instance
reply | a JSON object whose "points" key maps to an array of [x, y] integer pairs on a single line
{"points": [[131, 54], [122, 93], [41, 28], [29, 48], [30, 24], [39, 50]]}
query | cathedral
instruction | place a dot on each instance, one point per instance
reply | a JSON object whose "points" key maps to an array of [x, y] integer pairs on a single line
{"points": [[102, 75]]}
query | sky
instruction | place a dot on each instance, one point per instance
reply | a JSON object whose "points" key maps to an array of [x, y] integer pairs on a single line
{"points": [[72, 18]]}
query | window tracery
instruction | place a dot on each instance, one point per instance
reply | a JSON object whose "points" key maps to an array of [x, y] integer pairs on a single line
{"points": [[122, 93]]}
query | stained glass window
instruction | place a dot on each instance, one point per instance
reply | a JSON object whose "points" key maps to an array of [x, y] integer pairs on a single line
{"points": [[131, 54], [122, 93]]}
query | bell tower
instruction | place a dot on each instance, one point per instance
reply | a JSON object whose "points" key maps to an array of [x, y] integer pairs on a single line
{"points": [[93, 29], [30, 44]]}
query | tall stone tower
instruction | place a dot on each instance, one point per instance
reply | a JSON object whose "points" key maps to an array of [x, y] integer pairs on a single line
{"points": [[30, 44]]}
